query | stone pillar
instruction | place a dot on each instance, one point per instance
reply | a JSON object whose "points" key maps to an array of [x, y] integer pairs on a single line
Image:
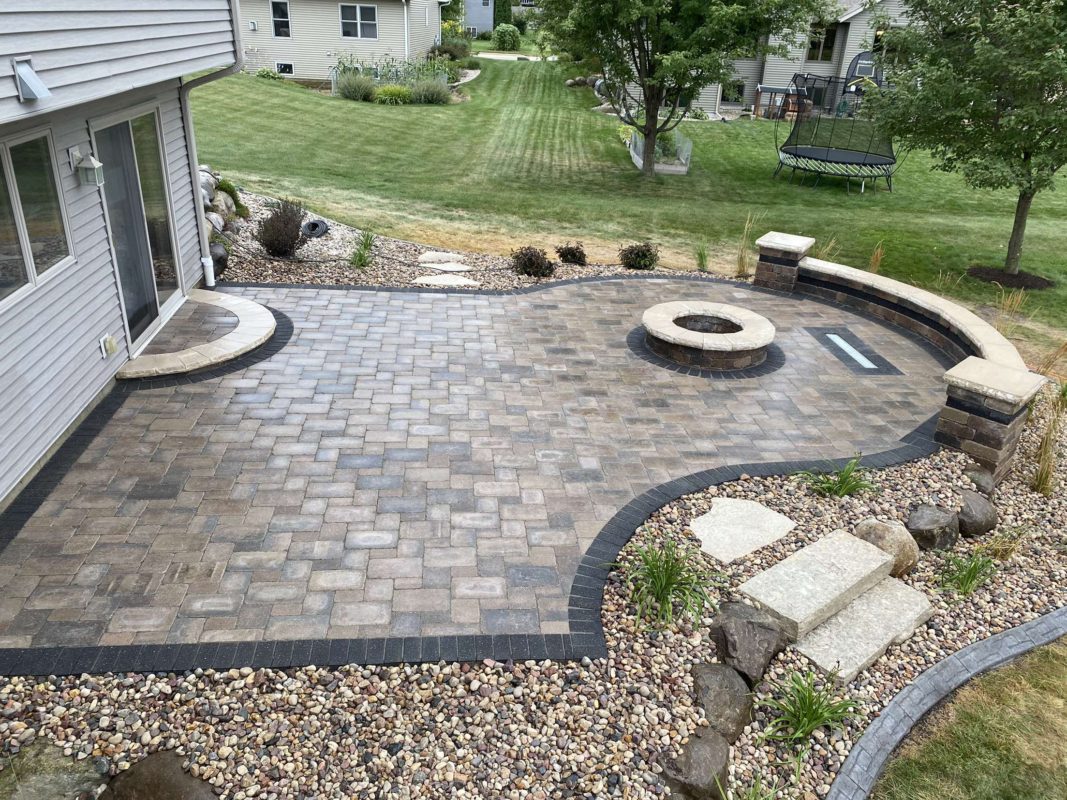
{"points": [[779, 257], [985, 411]]}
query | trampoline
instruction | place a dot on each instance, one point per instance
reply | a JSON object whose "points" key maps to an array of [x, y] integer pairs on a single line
{"points": [[829, 136]]}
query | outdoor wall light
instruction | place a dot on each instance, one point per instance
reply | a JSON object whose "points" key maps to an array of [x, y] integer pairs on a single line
{"points": [[90, 171]]}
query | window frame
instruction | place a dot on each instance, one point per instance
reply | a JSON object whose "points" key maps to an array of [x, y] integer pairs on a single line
{"points": [[827, 30], [273, 19], [358, 21], [290, 64], [34, 278]]}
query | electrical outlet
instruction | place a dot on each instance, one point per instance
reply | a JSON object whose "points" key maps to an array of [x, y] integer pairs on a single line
{"points": [[108, 346]]}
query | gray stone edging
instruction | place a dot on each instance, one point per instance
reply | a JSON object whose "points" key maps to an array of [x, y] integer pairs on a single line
{"points": [[868, 758]]}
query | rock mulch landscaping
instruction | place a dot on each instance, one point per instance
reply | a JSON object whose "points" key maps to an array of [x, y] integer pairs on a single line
{"points": [[325, 261]]}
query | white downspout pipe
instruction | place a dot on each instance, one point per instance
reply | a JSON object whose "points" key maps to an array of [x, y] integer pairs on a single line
{"points": [[407, 31], [206, 262]]}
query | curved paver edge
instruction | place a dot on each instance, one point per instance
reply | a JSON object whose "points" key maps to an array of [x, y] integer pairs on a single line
{"points": [[868, 758]]}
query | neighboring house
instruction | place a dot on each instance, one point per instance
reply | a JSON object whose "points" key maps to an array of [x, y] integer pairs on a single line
{"points": [[88, 272], [824, 50], [306, 38], [478, 14]]}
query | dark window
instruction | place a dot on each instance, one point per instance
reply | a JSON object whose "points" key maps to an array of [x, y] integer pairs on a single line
{"points": [[359, 22], [733, 92], [283, 69], [279, 13], [821, 44]]}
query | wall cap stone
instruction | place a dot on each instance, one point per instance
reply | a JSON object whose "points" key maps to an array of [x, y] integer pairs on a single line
{"points": [[989, 379], [785, 243]]}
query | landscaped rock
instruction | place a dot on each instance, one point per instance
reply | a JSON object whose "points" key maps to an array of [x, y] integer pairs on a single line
{"points": [[700, 772], [933, 527], [746, 639], [224, 204], [219, 257], [892, 538], [570, 83], [977, 516], [216, 220], [158, 777], [40, 771], [725, 697], [982, 480]]}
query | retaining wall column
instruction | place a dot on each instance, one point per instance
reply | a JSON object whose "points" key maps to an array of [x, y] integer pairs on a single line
{"points": [[779, 259]]}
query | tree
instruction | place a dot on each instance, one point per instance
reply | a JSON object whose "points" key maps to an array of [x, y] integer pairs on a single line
{"points": [[658, 54], [453, 12], [982, 84], [502, 13]]}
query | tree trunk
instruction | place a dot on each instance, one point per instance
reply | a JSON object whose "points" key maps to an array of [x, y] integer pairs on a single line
{"points": [[653, 100], [1018, 231]]}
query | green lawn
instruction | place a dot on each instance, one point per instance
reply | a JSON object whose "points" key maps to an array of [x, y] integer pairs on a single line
{"points": [[525, 161], [1003, 737], [527, 46]]}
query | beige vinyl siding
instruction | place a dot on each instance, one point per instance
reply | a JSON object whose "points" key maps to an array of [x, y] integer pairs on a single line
{"points": [[49, 353], [425, 26], [316, 43], [860, 34], [86, 51]]}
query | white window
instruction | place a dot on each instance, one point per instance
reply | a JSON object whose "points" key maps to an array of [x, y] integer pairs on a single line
{"points": [[33, 228], [359, 22], [283, 68], [279, 17], [472, 31]]}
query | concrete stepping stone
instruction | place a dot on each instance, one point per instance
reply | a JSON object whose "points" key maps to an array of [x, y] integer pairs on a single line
{"points": [[449, 267], [851, 640], [440, 258], [445, 280], [734, 528], [813, 584]]}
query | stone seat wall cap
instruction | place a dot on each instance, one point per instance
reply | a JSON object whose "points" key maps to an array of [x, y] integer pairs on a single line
{"points": [[786, 242], [989, 379]]}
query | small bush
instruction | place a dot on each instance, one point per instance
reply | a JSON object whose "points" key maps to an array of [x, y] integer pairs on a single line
{"points": [[532, 262], [639, 256], [268, 74], [964, 575], [228, 187], [471, 64], [452, 29], [520, 22], [484, 36], [698, 114], [355, 86], [432, 93], [506, 37], [393, 94], [847, 481], [452, 49], [279, 232], [803, 705], [572, 254], [362, 256], [666, 579]]}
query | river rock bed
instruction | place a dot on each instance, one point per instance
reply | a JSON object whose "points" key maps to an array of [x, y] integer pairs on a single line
{"points": [[325, 261]]}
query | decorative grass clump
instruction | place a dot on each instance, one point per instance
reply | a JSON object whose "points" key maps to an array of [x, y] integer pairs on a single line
{"points": [[393, 94], [803, 704], [700, 253], [572, 254], [1003, 545], [1044, 480], [362, 256], [355, 86], [533, 262], [964, 575], [431, 93], [666, 585], [849, 480], [279, 232], [643, 256]]}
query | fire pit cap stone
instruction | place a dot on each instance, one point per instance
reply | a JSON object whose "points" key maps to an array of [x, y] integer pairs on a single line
{"points": [[756, 331]]}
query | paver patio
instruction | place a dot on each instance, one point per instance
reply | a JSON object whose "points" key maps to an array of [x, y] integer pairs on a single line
{"points": [[419, 464]]}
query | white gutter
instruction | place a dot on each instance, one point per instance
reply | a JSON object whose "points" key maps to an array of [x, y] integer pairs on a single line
{"points": [[206, 262]]}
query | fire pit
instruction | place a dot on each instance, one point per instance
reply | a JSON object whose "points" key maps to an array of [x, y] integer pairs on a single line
{"points": [[707, 335]]}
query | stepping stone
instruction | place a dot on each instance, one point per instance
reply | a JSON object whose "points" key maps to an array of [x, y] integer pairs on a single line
{"points": [[440, 258], [445, 280], [813, 584], [449, 267], [851, 640], [735, 528]]}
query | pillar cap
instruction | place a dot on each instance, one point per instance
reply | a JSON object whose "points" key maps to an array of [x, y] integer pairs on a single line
{"points": [[989, 379], [786, 243]]}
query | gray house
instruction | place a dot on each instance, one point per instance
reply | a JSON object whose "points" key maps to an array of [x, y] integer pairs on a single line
{"points": [[478, 15], [100, 218]]}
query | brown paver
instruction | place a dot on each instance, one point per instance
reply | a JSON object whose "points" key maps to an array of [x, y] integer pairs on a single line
{"points": [[419, 464]]}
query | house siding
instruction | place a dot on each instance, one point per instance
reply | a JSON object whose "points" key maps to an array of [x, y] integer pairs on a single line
{"points": [[860, 35], [316, 43], [478, 15], [82, 52], [49, 352]]}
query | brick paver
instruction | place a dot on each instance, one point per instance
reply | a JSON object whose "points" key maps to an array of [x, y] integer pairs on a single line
{"points": [[419, 464]]}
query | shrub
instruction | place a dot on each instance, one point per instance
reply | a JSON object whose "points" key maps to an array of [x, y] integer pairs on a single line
{"points": [[506, 37], [697, 113], [848, 480], [964, 575], [572, 254], [269, 74], [355, 86], [665, 578], [471, 63], [452, 49], [520, 22], [639, 256], [532, 262], [228, 187], [279, 232], [452, 29], [502, 14], [431, 93], [362, 256], [484, 36], [803, 705], [393, 95]]}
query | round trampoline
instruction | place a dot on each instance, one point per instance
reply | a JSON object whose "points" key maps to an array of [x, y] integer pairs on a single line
{"points": [[829, 136]]}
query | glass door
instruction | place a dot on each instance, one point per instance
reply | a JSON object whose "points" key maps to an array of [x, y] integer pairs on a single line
{"points": [[135, 193]]}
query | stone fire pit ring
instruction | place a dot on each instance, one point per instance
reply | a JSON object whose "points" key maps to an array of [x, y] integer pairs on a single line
{"points": [[712, 336]]}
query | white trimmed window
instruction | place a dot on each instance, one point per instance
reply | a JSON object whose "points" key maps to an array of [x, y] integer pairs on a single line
{"points": [[279, 19], [359, 22], [33, 230]]}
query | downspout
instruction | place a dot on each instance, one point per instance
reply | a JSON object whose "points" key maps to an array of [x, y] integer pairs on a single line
{"points": [[187, 86], [440, 5], [407, 32]]}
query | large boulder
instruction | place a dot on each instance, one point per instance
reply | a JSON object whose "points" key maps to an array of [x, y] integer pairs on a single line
{"points": [[747, 639], [933, 527], [700, 772], [224, 205], [219, 258], [892, 538], [725, 697], [216, 220], [977, 516], [158, 777], [982, 479]]}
